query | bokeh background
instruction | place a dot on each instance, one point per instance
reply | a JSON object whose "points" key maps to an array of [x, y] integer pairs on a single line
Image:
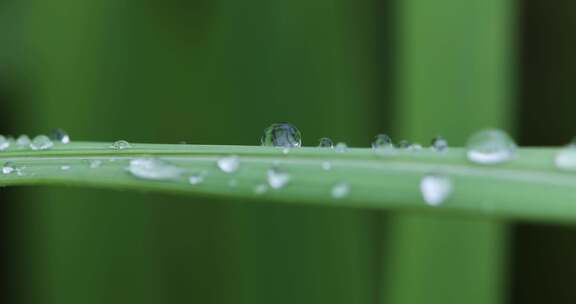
{"points": [[219, 72]]}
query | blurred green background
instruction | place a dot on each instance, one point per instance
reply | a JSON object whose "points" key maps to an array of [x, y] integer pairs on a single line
{"points": [[219, 72]]}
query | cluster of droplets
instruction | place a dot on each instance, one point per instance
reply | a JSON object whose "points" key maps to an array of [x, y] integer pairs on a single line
{"points": [[39, 142]]}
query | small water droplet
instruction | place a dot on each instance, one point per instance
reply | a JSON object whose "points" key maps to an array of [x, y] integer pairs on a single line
{"points": [[261, 189], [94, 163], [282, 135], [229, 164], [566, 158], [121, 145], [490, 146], [278, 178], [65, 168], [341, 147], [41, 142], [415, 147], [152, 168], [285, 151], [340, 190], [435, 188], [326, 166], [326, 142], [59, 135], [439, 144], [23, 140], [404, 144], [196, 178], [8, 168], [4, 143], [382, 142]]}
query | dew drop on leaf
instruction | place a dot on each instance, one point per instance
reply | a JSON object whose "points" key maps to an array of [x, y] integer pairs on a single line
{"points": [[229, 164], [490, 146], [60, 136], [565, 159], [120, 145], [341, 147], [41, 142], [282, 135], [4, 143], [154, 169], [382, 142], [196, 179], [23, 140], [404, 144], [277, 178], [260, 189], [340, 190], [439, 144], [435, 188], [65, 167], [326, 166], [8, 168], [326, 142]]}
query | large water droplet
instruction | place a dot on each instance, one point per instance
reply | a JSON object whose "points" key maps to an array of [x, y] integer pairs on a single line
{"points": [[282, 135], [120, 145], [41, 142], [439, 144], [340, 190], [23, 140], [490, 146], [8, 168], [435, 188], [326, 142], [566, 158], [277, 178], [59, 135], [341, 147], [4, 143], [152, 168], [229, 164], [381, 142]]}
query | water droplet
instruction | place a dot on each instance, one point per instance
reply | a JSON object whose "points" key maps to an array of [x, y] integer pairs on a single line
{"points": [[8, 168], [261, 189], [326, 166], [415, 147], [94, 163], [404, 144], [59, 135], [566, 158], [326, 142], [285, 151], [341, 147], [277, 178], [229, 164], [41, 142], [282, 135], [152, 168], [4, 143], [121, 145], [439, 144], [381, 142], [435, 188], [340, 190], [23, 140], [65, 168], [490, 146], [196, 178]]}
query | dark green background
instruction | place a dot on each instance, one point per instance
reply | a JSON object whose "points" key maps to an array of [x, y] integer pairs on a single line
{"points": [[219, 72]]}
